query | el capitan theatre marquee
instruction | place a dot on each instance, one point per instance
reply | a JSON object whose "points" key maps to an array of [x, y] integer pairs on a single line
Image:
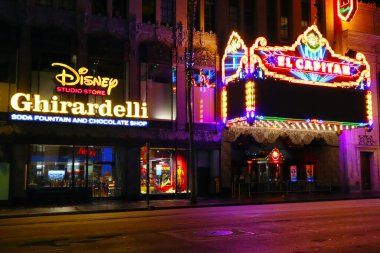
{"points": [[302, 86], [32, 107]]}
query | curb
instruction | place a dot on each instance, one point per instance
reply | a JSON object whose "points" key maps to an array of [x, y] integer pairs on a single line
{"points": [[154, 208]]}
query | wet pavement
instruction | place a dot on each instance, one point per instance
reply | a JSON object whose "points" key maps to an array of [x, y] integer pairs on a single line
{"points": [[8, 210]]}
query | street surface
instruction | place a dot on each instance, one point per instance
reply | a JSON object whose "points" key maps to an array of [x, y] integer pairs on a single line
{"points": [[332, 226]]}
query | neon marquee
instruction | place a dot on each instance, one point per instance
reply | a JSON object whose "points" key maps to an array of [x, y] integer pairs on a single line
{"points": [[309, 61]]}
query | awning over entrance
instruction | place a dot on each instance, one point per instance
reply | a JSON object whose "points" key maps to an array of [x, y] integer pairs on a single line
{"points": [[270, 135]]}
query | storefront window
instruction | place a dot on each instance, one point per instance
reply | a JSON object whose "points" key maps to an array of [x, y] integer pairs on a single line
{"points": [[156, 89], [166, 171], [101, 172], [181, 172], [80, 160], [51, 166], [73, 166], [157, 80]]}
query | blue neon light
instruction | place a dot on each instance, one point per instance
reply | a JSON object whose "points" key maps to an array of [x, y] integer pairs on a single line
{"points": [[312, 76], [77, 120], [306, 53]]}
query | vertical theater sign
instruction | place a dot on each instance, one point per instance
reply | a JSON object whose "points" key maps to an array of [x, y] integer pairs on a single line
{"points": [[347, 9], [303, 86]]}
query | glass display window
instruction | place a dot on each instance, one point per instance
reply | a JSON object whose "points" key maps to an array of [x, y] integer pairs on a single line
{"points": [[102, 176], [50, 166], [79, 167], [164, 173], [74, 166], [181, 179]]}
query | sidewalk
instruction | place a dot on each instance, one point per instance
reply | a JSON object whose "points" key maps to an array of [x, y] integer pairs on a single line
{"points": [[101, 206]]}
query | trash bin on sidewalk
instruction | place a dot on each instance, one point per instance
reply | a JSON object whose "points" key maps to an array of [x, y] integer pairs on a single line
{"points": [[217, 185]]}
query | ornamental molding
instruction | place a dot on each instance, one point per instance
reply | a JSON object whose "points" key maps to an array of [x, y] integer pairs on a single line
{"points": [[366, 140], [359, 41], [269, 135], [109, 133], [202, 39], [204, 57], [145, 31], [371, 6]]}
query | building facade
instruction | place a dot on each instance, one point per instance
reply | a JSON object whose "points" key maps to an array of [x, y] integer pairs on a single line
{"points": [[310, 156], [93, 100]]}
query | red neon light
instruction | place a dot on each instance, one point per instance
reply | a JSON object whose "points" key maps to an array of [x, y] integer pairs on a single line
{"points": [[81, 91], [83, 151], [328, 67], [275, 156]]}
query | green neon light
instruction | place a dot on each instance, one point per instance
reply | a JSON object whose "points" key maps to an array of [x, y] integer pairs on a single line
{"points": [[344, 10]]}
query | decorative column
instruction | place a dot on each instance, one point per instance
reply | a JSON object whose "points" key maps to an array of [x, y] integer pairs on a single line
{"points": [[24, 54]]}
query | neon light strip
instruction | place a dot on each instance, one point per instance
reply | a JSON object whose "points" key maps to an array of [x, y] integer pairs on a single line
{"points": [[280, 123], [369, 108], [77, 120], [250, 99], [224, 104]]}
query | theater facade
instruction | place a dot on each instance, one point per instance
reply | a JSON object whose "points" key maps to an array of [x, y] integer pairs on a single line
{"points": [[297, 117]]}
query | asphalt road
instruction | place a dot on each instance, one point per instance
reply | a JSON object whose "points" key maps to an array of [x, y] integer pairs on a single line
{"points": [[333, 226]]}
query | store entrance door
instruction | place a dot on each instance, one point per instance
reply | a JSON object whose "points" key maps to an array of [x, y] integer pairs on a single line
{"points": [[4, 181], [365, 167]]}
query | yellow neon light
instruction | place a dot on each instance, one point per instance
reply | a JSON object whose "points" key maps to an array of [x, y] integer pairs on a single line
{"points": [[250, 96], [224, 103], [369, 107], [234, 43], [71, 77], [22, 102]]}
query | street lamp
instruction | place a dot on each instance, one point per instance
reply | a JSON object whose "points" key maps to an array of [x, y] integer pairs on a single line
{"points": [[189, 59]]}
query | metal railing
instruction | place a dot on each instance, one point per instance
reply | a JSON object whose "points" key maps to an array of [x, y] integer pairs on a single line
{"points": [[243, 187]]}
